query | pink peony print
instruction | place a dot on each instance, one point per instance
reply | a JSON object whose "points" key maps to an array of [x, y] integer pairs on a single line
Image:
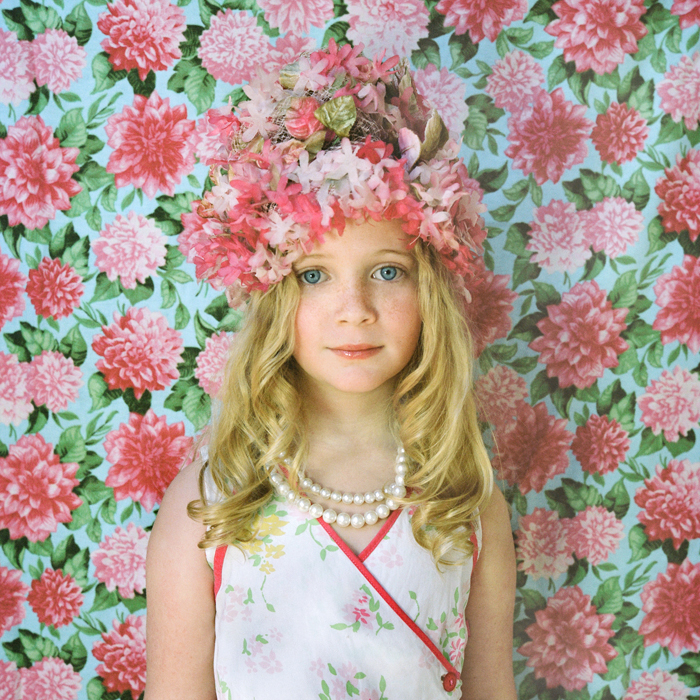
{"points": [[296, 17], [123, 655], [548, 137], [514, 81], [10, 680], [671, 502], [481, 18], [140, 351], [152, 145], [35, 173], [15, 396], [498, 394], [54, 288], [560, 237], [54, 380], [671, 604], [447, 93], [58, 59], [16, 75], [36, 489], [211, 362], [581, 336], [146, 454], [50, 679], [671, 403], [619, 134], [130, 248], [677, 293], [142, 34], [120, 560], [214, 133], [680, 195], [233, 46], [595, 534], [657, 685], [680, 91], [533, 449], [12, 284], [384, 24], [13, 593], [613, 224], [55, 598], [688, 12], [601, 445], [286, 50], [543, 548], [597, 34], [569, 640]]}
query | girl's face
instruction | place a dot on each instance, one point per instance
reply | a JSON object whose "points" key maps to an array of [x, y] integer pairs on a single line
{"points": [[358, 322]]}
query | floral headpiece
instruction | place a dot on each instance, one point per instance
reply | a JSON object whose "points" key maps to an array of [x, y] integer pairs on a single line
{"points": [[334, 136]]}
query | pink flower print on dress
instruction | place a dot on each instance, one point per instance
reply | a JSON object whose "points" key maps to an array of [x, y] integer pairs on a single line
{"points": [[457, 651], [318, 667], [358, 613], [270, 663], [234, 604], [390, 557]]}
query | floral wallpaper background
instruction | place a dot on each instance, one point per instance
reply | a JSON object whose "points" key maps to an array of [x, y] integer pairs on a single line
{"points": [[580, 124]]}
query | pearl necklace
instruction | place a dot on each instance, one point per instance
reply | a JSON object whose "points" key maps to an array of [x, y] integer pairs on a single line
{"points": [[393, 490]]}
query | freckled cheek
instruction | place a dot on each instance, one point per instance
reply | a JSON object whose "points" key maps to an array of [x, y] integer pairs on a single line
{"points": [[403, 315]]}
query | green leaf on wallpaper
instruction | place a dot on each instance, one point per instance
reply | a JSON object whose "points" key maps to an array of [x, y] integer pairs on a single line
{"points": [[636, 190], [72, 131], [104, 599], [78, 24], [38, 100], [461, 49], [608, 598], [492, 179], [77, 566], [475, 130], [35, 340], [580, 84], [78, 204], [36, 647], [650, 443], [71, 446], [100, 394], [197, 407], [530, 688], [642, 99], [138, 602], [15, 22], [639, 544], [182, 317], [559, 71], [623, 411], [685, 443], [95, 690], [597, 186], [427, 52], [73, 652], [579, 496], [594, 266], [546, 295], [338, 32], [200, 87], [503, 213], [141, 292], [38, 419], [624, 293], [561, 398], [532, 599], [617, 499], [526, 328], [202, 330], [105, 288], [104, 74], [540, 49], [40, 18], [140, 405], [669, 130]]}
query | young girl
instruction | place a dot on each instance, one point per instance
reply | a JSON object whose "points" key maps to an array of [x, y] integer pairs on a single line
{"points": [[339, 534]]}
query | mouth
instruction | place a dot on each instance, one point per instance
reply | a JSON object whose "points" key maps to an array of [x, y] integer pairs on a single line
{"points": [[356, 352]]}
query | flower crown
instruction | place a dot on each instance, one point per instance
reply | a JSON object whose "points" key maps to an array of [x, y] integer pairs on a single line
{"points": [[334, 136]]}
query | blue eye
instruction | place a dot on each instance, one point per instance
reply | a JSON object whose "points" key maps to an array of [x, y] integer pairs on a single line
{"points": [[389, 273], [311, 276]]}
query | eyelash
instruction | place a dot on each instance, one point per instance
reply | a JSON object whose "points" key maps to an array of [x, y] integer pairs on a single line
{"points": [[399, 273]]}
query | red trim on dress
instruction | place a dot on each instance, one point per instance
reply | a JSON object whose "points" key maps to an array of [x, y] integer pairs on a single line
{"points": [[219, 556], [379, 536]]}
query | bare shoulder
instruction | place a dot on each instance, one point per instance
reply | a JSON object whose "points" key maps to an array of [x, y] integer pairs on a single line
{"points": [[495, 520]]}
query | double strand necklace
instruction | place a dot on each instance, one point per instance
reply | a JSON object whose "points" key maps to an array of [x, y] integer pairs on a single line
{"points": [[384, 498]]}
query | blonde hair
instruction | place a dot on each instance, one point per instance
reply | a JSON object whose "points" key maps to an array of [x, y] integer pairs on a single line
{"points": [[434, 418]]}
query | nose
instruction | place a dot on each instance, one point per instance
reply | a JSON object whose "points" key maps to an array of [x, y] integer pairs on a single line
{"points": [[355, 304]]}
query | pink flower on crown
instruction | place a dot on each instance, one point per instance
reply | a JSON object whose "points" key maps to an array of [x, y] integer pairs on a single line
{"points": [[613, 224], [656, 685], [13, 593], [58, 59], [687, 11], [680, 195], [214, 133], [16, 75], [677, 293], [671, 404], [296, 17], [515, 79], [130, 248], [10, 679], [12, 284], [35, 173], [447, 93], [212, 361], [600, 445], [197, 232], [122, 652], [54, 380], [15, 395], [55, 598], [50, 679], [595, 534], [120, 560], [619, 134], [499, 393], [481, 18], [286, 50], [548, 137], [680, 91], [543, 548], [385, 24], [54, 288], [597, 34]]}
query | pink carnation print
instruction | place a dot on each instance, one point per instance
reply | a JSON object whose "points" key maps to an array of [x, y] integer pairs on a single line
{"points": [[54, 288], [233, 46], [15, 396], [50, 679], [671, 404], [499, 392], [481, 18], [597, 34], [514, 81], [619, 134], [595, 534], [54, 380], [671, 604], [543, 548], [657, 685], [569, 640], [677, 293], [559, 237], [142, 34], [16, 75], [296, 17], [12, 284], [385, 24], [600, 445], [211, 362], [581, 336], [55, 598], [36, 489], [687, 11], [58, 59], [10, 688], [548, 137], [146, 454], [35, 174], [447, 93], [152, 145], [13, 593], [533, 449], [680, 91], [122, 652], [120, 560], [671, 502], [140, 351], [131, 248], [613, 225], [680, 195]]}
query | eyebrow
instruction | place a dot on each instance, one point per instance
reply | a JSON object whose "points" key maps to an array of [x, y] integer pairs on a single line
{"points": [[378, 253]]}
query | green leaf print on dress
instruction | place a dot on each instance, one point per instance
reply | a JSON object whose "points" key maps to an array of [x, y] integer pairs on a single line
{"points": [[359, 613]]}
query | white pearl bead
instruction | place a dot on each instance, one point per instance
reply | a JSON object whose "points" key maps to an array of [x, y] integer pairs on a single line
{"points": [[401, 468], [371, 517], [316, 510], [391, 503], [387, 489], [357, 520], [369, 497], [347, 498], [399, 491], [284, 488], [379, 495], [343, 519], [306, 483], [315, 488], [402, 450], [336, 496], [276, 478], [399, 480], [329, 515], [382, 510], [303, 504], [358, 499], [325, 493], [291, 496]]}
